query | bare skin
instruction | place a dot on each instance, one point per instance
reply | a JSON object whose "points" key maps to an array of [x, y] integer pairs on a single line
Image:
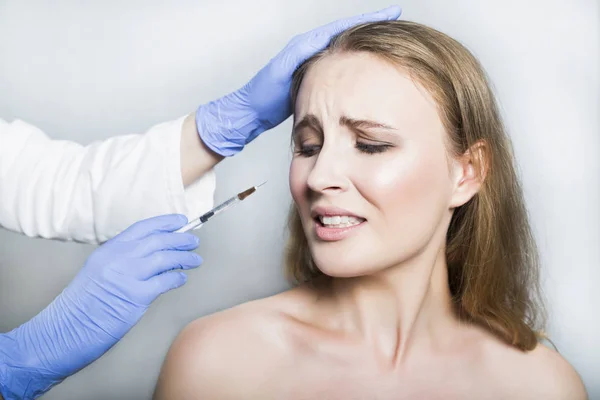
{"points": [[196, 157], [305, 345], [383, 326]]}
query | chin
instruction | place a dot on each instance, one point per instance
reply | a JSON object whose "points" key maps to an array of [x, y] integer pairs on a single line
{"points": [[337, 266]]}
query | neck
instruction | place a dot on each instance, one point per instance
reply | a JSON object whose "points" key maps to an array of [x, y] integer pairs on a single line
{"points": [[397, 309]]}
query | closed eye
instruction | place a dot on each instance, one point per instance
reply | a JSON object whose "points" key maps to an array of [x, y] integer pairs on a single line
{"points": [[372, 148], [367, 148], [308, 150]]}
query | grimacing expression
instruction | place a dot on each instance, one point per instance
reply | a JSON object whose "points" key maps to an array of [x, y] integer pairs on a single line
{"points": [[370, 176]]}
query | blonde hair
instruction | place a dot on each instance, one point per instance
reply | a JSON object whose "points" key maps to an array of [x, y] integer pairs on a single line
{"points": [[493, 265]]}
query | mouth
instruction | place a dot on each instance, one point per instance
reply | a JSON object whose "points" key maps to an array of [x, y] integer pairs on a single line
{"points": [[332, 224], [338, 221]]}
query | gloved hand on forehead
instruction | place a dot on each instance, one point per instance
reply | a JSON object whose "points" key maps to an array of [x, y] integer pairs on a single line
{"points": [[226, 125], [105, 299]]}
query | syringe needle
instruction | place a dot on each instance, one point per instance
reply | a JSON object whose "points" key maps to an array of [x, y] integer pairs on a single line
{"points": [[198, 222], [248, 192]]}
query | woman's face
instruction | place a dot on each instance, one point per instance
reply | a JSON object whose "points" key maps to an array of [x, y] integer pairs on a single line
{"points": [[371, 175]]}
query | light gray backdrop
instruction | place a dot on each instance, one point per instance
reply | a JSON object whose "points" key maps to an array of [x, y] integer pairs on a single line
{"points": [[90, 70]]}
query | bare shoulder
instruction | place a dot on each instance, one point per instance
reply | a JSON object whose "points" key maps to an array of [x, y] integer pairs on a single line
{"points": [[541, 373], [555, 375], [244, 344]]}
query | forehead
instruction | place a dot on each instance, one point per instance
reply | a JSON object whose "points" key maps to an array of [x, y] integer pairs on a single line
{"points": [[362, 85]]}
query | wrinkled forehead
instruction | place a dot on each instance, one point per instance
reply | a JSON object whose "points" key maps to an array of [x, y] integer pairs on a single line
{"points": [[363, 85]]}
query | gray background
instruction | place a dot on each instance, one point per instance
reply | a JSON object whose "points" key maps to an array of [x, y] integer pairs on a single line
{"points": [[90, 70]]}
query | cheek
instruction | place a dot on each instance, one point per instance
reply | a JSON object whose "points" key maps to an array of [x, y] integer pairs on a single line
{"points": [[409, 186]]}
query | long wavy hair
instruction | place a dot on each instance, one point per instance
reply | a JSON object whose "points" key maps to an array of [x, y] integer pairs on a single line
{"points": [[492, 258]]}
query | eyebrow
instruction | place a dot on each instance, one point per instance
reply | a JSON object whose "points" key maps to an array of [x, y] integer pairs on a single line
{"points": [[363, 123], [311, 121]]}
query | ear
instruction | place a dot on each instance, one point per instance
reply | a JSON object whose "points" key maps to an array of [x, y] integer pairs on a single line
{"points": [[469, 172]]}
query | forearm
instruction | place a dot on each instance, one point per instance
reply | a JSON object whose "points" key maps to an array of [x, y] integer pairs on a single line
{"points": [[196, 157]]}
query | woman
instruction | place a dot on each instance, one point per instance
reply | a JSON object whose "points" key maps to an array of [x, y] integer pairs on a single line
{"points": [[409, 237]]}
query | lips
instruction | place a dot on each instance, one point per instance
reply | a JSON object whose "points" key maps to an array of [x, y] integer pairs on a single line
{"points": [[333, 223], [331, 212]]}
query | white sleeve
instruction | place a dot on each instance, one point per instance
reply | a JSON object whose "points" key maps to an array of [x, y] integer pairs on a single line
{"points": [[63, 190]]}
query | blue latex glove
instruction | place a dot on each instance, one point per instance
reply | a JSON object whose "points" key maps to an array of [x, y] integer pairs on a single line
{"points": [[105, 299], [226, 125]]}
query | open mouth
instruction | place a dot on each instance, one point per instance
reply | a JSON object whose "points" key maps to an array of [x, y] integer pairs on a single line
{"points": [[334, 223], [338, 221]]}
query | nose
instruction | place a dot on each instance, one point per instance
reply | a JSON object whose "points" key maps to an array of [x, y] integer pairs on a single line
{"points": [[329, 173]]}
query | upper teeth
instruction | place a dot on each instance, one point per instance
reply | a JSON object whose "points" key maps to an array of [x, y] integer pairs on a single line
{"points": [[339, 220]]}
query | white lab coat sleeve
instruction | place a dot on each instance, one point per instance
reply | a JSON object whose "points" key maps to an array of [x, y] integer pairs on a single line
{"points": [[62, 190]]}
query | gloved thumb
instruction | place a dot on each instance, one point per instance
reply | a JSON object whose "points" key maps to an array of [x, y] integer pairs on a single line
{"points": [[391, 12], [387, 14]]}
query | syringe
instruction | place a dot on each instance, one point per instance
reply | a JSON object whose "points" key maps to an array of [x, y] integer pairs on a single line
{"points": [[198, 222]]}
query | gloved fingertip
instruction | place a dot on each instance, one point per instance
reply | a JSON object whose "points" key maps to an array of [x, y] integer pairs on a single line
{"points": [[189, 241], [391, 12], [181, 219], [175, 222], [194, 262], [182, 279]]}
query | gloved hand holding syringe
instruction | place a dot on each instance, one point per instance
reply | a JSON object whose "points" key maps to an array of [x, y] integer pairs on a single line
{"points": [[109, 294]]}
